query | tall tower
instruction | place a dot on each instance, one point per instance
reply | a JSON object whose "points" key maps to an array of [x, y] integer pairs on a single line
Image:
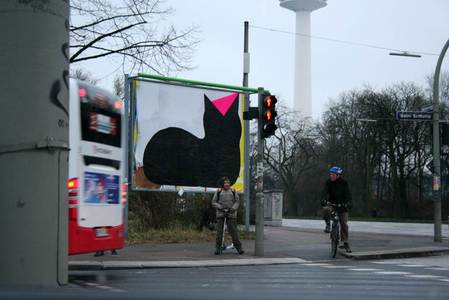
{"points": [[302, 84]]}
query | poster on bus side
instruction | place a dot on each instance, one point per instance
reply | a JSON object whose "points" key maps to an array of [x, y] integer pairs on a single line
{"points": [[186, 137], [101, 188]]}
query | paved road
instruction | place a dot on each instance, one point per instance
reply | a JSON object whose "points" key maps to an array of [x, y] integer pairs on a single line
{"points": [[374, 227], [418, 278], [433, 261], [302, 240], [307, 280]]}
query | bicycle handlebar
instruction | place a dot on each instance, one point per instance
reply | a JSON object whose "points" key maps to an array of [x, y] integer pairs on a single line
{"points": [[338, 205]]}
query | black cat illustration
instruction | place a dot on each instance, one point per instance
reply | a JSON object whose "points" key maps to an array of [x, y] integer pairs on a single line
{"points": [[174, 156]]}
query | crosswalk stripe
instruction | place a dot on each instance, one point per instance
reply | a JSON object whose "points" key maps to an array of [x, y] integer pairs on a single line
{"points": [[438, 269], [384, 262], [423, 276], [392, 273], [364, 270], [412, 266]]}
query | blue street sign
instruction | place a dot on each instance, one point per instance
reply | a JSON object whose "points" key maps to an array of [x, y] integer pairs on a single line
{"points": [[414, 116]]}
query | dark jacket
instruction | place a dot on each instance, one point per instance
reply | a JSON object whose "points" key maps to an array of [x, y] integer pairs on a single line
{"points": [[337, 192]]}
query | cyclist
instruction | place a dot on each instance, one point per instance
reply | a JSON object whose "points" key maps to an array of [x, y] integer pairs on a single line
{"points": [[337, 194]]}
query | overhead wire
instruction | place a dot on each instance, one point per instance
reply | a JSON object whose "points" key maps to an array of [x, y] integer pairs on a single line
{"points": [[343, 41]]}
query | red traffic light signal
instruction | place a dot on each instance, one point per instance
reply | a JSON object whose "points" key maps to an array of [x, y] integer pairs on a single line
{"points": [[269, 116]]}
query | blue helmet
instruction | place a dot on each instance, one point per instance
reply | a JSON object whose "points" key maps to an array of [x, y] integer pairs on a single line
{"points": [[336, 170]]}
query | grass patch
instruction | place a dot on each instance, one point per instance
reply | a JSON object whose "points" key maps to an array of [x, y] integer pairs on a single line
{"points": [[176, 234]]}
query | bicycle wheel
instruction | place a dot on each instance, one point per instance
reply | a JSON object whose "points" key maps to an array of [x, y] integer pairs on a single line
{"points": [[335, 237]]}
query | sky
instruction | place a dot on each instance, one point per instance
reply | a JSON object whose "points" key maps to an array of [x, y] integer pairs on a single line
{"points": [[337, 66]]}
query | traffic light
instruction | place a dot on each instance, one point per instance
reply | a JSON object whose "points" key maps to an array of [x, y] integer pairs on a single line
{"points": [[269, 116]]}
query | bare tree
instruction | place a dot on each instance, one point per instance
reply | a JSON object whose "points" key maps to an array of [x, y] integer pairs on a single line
{"points": [[290, 153], [84, 76], [119, 86], [394, 152], [131, 31], [444, 86]]}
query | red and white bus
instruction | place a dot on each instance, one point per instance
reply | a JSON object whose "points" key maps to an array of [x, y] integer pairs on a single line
{"points": [[96, 170]]}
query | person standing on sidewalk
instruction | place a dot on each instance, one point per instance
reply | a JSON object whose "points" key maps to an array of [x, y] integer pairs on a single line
{"points": [[226, 201], [336, 192]]}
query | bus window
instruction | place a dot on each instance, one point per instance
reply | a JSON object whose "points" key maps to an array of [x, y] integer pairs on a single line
{"points": [[100, 125]]}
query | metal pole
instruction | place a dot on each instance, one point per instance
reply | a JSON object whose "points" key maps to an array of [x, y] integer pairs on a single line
{"points": [[198, 83], [127, 151], [246, 128], [259, 246], [436, 148]]}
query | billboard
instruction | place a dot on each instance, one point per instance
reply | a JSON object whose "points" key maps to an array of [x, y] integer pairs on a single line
{"points": [[185, 137]]}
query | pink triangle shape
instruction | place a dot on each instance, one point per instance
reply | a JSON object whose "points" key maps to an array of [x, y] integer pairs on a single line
{"points": [[224, 103]]}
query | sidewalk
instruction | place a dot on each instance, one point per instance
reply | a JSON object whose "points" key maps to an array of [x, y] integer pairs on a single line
{"points": [[297, 241]]}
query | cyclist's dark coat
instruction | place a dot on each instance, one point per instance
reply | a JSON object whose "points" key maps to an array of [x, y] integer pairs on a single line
{"points": [[337, 192]]}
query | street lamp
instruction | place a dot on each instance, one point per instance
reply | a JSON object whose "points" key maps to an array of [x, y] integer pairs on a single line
{"points": [[436, 182], [436, 186], [404, 53]]}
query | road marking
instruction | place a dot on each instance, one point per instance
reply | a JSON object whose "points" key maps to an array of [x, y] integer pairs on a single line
{"points": [[316, 264], [89, 284], [337, 267], [384, 262], [445, 280], [413, 266], [392, 273], [103, 287], [438, 269], [364, 270], [98, 286], [424, 276]]}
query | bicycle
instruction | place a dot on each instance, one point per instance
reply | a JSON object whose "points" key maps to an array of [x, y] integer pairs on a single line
{"points": [[335, 230]]}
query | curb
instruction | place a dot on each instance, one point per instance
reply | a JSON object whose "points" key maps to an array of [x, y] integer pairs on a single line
{"points": [[120, 265], [398, 253]]}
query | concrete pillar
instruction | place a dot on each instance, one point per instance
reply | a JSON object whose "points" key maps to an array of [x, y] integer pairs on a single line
{"points": [[34, 142]]}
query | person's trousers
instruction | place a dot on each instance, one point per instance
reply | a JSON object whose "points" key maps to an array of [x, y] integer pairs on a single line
{"points": [[344, 230], [231, 223]]}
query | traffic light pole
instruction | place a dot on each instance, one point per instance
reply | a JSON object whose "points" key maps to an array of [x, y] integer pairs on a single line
{"points": [[259, 245], [246, 127]]}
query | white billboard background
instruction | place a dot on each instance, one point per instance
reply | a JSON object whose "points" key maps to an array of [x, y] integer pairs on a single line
{"points": [[160, 105]]}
